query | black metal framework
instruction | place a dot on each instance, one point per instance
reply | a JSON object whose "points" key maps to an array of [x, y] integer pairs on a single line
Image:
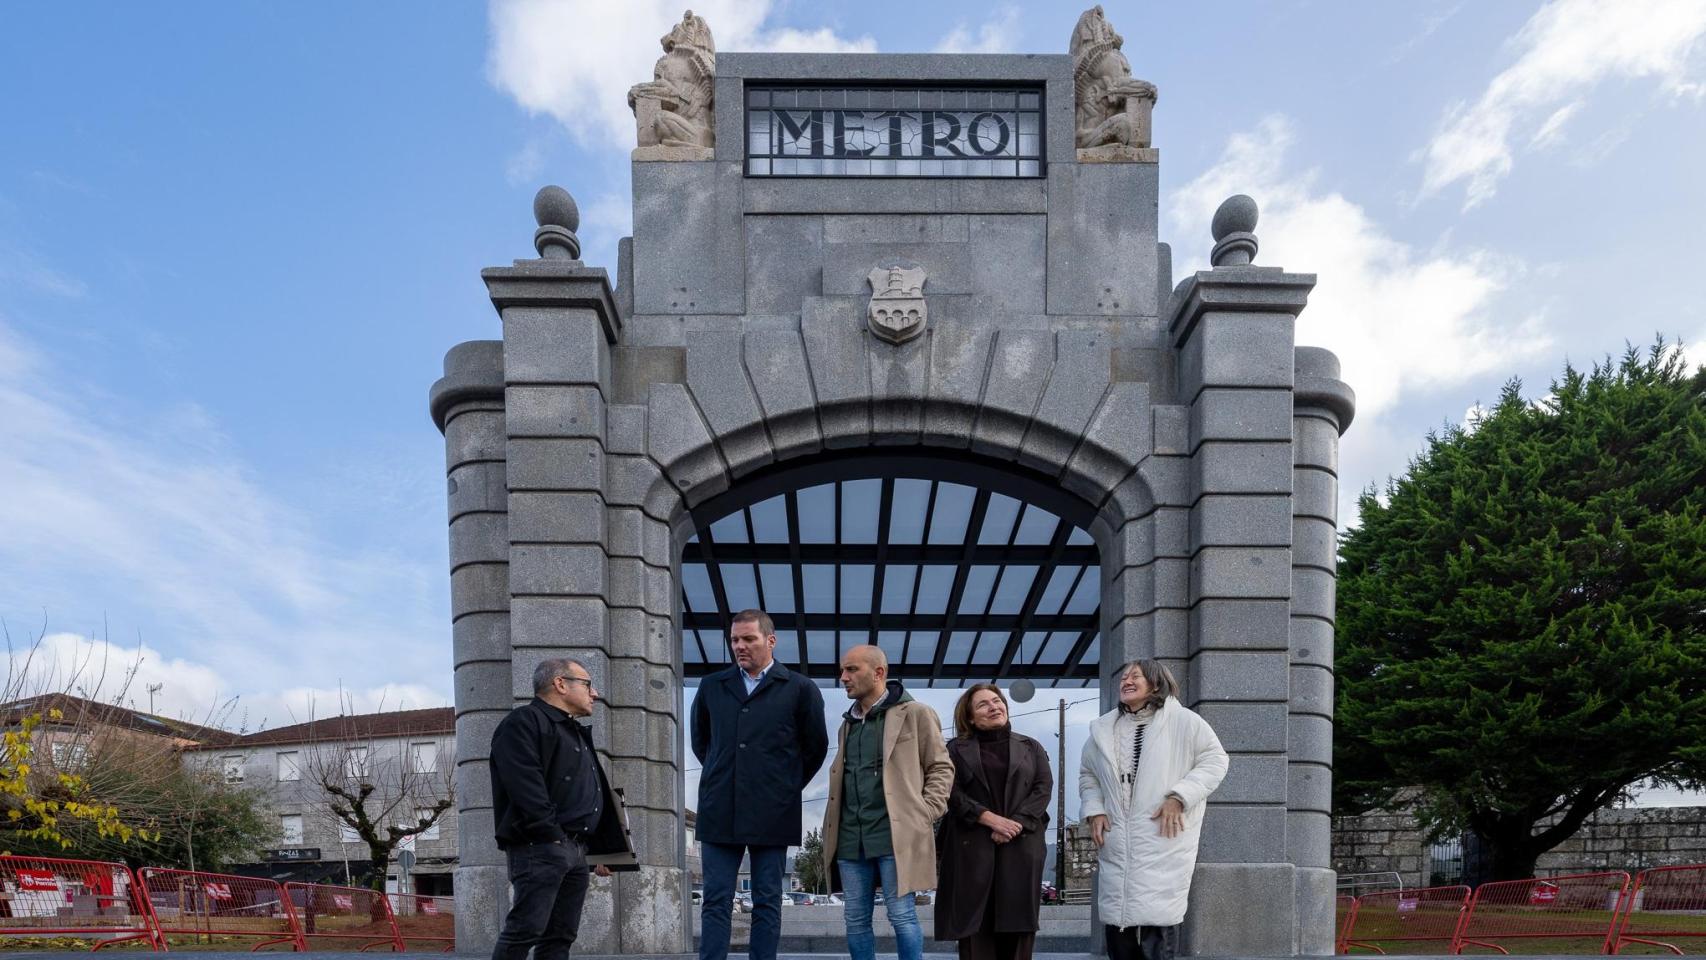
{"points": [[854, 131], [960, 572]]}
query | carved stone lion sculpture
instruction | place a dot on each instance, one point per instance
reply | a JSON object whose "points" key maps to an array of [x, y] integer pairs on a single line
{"points": [[1113, 107], [674, 111]]}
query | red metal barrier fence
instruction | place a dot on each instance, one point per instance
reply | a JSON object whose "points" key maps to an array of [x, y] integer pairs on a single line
{"points": [[1668, 904], [1410, 921], [1551, 914], [342, 918], [46, 895], [1344, 913], [425, 919], [214, 906]]}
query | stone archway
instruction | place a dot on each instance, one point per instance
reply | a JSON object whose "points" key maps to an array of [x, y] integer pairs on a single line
{"points": [[1200, 438]]}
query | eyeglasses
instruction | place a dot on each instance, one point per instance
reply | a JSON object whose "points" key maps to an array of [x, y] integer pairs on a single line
{"points": [[568, 679]]}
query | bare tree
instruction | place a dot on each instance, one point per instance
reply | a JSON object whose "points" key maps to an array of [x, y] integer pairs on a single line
{"points": [[379, 777]]}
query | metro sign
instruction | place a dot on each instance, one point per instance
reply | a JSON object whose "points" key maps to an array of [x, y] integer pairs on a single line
{"points": [[933, 132]]}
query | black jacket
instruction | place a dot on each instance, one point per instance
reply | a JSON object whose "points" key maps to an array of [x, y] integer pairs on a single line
{"points": [[532, 795], [756, 755]]}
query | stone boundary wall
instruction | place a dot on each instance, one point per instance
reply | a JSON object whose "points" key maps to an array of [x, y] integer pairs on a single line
{"points": [[1622, 839]]}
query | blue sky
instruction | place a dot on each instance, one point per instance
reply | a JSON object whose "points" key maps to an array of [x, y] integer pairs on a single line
{"points": [[237, 238]]}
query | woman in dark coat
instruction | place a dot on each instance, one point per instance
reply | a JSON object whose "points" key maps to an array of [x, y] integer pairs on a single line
{"points": [[991, 842]]}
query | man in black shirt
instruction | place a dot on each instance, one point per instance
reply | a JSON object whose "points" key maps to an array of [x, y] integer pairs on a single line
{"points": [[549, 800]]}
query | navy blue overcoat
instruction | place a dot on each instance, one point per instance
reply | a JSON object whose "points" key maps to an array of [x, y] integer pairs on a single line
{"points": [[756, 755]]}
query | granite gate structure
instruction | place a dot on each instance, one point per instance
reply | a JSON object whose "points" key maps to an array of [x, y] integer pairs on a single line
{"points": [[902, 266]]}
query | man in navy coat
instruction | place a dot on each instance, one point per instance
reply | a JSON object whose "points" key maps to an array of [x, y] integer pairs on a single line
{"points": [[759, 733]]}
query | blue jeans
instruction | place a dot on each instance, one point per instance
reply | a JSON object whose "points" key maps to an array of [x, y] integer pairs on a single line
{"points": [[721, 863], [859, 879]]}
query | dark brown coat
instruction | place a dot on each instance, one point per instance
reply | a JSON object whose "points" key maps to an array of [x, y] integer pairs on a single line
{"points": [[976, 873]]}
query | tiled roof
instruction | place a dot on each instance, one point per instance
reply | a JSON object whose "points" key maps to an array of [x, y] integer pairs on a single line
{"points": [[77, 710], [361, 726]]}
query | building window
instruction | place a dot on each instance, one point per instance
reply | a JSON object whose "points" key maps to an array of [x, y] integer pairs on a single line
{"points": [[288, 769], [233, 767], [424, 756], [69, 756], [347, 833], [290, 827], [355, 763], [430, 833]]}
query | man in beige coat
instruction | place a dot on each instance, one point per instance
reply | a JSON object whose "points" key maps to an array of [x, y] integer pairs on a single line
{"points": [[887, 788]]}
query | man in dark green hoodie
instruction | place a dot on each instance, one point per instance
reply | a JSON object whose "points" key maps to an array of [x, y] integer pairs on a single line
{"points": [[887, 788]]}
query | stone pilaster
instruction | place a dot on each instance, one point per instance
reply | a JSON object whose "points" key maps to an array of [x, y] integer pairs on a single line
{"points": [[589, 571], [1232, 328], [468, 406], [1322, 406]]}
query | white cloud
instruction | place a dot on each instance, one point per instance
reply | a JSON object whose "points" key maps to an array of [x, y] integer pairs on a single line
{"points": [[999, 34], [148, 515], [143, 678], [575, 60], [1398, 318], [1563, 52]]}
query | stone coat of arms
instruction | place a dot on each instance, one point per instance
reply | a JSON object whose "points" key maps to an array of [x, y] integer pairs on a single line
{"points": [[897, 312]]}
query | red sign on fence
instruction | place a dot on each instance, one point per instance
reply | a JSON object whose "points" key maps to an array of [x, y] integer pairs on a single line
{"points": [[428, 906], [343, 901], [1543, 893], [219, 891], [38, 880]]}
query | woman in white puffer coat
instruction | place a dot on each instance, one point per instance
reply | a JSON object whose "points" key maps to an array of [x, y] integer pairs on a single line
{"points": [[1147, 771]]}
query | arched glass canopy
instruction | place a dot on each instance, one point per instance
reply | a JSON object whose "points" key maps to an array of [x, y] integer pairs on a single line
{"points": [[957, 578]]}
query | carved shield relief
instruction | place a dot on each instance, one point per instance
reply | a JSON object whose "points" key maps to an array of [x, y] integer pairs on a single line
{"points": [[897, 312]]}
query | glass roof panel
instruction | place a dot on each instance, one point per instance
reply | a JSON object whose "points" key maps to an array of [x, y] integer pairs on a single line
{"points": [[821, 645], [1059, 582], [1080, 538], [935, 582], [897, 587], [978, 583], [788, 646], [849, 640], [1087, 597], [921, 646], [1010, 592], [906, 518], [856, 587], [1059, 645], [960, 644], [817, 514], [990, 644], [730, 529], [860, 501], [1030, 646], [893, 643], [818, 579], [740, 585], [696, 584], [770, 521], [1093, 652], [777, 579], [953, 511], [1037, 526], [998, 519]]}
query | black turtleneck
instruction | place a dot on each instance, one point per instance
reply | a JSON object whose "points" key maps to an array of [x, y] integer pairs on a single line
{"points": [[993, 746]]}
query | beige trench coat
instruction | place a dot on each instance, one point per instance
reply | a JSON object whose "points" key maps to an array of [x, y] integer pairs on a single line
{"points": [[917, 776]]}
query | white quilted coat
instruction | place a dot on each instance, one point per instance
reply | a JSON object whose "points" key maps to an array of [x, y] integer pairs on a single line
{"points": [[1144, 879]]}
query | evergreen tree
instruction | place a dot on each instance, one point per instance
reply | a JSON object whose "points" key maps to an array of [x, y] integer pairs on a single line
{"points": [[1522, 618], [808, 865]]}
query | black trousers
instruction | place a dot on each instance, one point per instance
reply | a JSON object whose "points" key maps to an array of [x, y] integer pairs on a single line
{"points": [[1141, 943], [549, 883]]}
